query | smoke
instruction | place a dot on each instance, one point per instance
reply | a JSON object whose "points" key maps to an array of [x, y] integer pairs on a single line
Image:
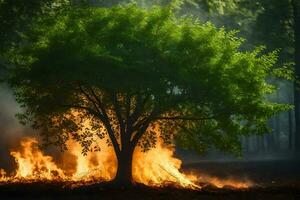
{"points": [[10, 129]]}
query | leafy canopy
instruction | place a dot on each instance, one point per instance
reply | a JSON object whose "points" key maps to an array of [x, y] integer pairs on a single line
{"points": [[141, 66]]}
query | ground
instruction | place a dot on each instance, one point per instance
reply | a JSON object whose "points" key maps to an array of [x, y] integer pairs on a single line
{"points": [[265, 173], [275, 180]]}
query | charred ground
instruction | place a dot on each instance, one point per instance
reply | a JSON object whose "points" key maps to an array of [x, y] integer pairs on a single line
{"points": [[50, 191], [274, 180], [57, 191]]}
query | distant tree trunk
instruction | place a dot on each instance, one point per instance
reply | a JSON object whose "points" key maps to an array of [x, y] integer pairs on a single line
{"points": [[257, 144], [270, 137], [262, 143], [290, 117], [296, 10], [277, 132], [246, 139], [266, 143]]}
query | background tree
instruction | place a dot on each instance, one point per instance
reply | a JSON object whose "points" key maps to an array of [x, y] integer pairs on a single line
{"points": [[16, 16], [128, 70], [296, 19], [272, 24]]}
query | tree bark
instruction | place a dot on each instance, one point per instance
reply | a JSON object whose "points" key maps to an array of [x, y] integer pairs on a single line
{"points": [[296, 10], [123, 176]]}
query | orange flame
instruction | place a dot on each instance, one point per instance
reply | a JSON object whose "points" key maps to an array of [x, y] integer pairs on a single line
{"points": [[156, 167], [32, 164], [94, 166]]}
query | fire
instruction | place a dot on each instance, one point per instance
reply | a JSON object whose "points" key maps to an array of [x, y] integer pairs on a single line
{"points": [[32, 164], [95, 166], [3, 177], [156, 167], [226, 182], [205, 180], [159, 166]]}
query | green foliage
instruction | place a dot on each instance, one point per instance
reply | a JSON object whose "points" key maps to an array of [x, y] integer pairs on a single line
{"points": [[274, 28], [15, 15], [259, 21], [15, 18], [190, 76]]}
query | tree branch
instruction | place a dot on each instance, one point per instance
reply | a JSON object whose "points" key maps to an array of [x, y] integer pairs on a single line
{"points": [[119, 117], [91, 111], [107, 124], [103, 116], [139, 134], [142, 127], [138, 109], [118, 111], [128, 109], [184, 118], [89, 98]]}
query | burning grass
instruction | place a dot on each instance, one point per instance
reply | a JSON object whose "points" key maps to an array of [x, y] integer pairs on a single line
{"points": [[156, 168]]}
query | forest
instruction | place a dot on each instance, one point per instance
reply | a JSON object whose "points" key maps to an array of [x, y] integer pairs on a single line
{"points": [[159, 98]]}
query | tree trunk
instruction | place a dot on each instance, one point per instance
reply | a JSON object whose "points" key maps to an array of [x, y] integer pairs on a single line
{"points": [[296, 10], [257, 144], [271, 145], [262, 143], [123, 176], [277, 132], [290, 117], [246, 145]]}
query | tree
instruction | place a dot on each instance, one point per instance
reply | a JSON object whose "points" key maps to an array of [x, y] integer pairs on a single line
{"points": [[15, 18], [127, 70], [271, 23], [296, 17]]}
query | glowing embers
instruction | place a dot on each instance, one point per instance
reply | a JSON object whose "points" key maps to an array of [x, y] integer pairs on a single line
{"points": [[204, 180]]}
